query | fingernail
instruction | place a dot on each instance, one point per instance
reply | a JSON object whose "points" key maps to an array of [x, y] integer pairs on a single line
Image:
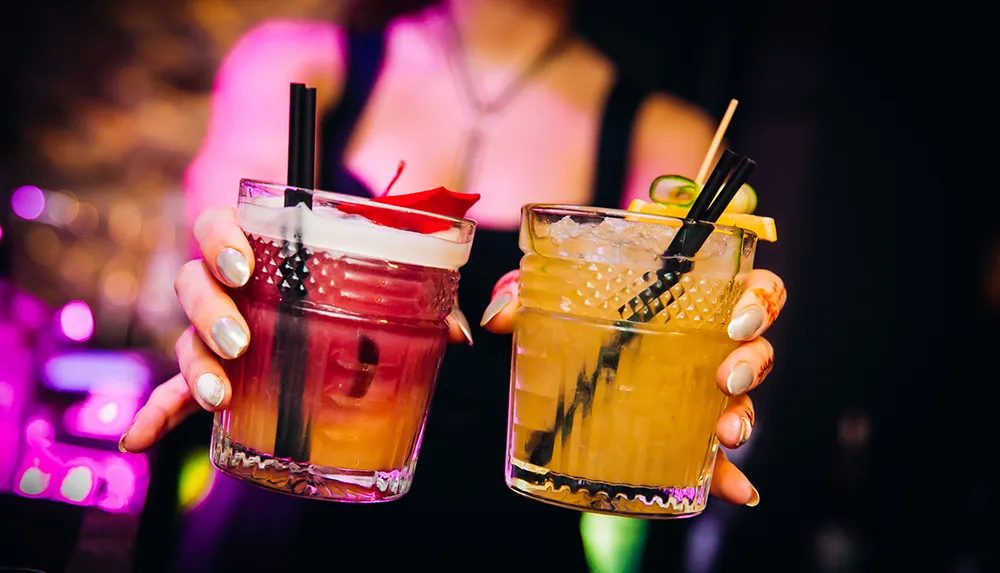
{"points": [[463, 323], [209, 387], [740, 378], [229, 337], [745, 429], [233, 267], [754, 497], [121, 441], [496, 305], [745, 323]]}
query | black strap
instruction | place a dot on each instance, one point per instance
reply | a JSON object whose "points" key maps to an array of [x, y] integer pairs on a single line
{"points": [[365, 54], [615, 142]]}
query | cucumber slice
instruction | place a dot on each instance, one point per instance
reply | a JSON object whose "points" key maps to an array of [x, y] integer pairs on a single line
{"points": [[677, 190], [745, 200], [673, 190]]}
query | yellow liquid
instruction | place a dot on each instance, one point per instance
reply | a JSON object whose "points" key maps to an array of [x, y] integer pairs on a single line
{"points": [[636, 439]]}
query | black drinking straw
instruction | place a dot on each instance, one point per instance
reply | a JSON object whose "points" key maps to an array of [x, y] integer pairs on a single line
{"points": [[740, 176], [301, 145], [693, 233], [291, 335], [295, 105], [701, 204], [712, 186]]}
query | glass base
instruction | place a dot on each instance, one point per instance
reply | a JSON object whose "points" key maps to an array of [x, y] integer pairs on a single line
{"points": [[570, 492], [308, 480]]}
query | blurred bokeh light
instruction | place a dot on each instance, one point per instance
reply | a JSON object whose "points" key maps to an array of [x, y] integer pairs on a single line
{"points": [[77, 321], [28, 202]]}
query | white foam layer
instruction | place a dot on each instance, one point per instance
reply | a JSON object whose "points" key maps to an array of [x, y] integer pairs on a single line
{"points": [[329, 230]]}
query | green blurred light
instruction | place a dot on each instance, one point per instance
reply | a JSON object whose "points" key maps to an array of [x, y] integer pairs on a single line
{"points": [[195, 479], [613, 544]]}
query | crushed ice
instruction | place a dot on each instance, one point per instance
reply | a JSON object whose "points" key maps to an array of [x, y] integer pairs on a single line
{"points": [[599, 240], [609, 233]]}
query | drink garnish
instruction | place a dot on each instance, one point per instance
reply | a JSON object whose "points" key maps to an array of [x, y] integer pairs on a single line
{"points": [[680, 192], [763, 227], [440, 201], [437, 201], [674, 190]]}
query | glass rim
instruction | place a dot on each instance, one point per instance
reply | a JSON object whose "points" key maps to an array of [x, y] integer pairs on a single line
{"points": [[583, 211], [354, 200]]}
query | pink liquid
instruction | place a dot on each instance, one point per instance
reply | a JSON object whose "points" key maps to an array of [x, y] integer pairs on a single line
{"points": [[363, 415]]}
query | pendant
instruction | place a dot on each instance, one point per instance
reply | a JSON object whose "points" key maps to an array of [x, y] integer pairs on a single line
{"points": [[473, 149], [468, 160]]}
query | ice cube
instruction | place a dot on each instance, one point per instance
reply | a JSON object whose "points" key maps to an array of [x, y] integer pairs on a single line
{"points": [[716, 245], [615, 226], [565, 228]]}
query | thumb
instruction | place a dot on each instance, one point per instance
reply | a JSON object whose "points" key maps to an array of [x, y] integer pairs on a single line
{"points": [[499, 315]]}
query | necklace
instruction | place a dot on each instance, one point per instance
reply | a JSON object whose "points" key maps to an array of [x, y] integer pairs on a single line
{"points": [[484, 111]]}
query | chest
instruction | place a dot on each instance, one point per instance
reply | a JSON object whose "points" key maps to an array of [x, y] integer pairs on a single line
{"points": [[540, 146]]}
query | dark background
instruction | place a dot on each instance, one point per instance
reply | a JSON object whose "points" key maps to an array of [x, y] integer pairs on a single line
{"points": [[867, 124]]}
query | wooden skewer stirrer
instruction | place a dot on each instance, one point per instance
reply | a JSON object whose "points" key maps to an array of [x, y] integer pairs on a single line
{"points": [[716, 141]]}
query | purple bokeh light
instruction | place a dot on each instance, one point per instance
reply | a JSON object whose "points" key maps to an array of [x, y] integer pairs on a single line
{"points": [[103, 415], [34, 462], [98, 372], [28, 202], [39, 433], [76, 321], [78, 484], [72, 474], [30, 310], [16, 369]]}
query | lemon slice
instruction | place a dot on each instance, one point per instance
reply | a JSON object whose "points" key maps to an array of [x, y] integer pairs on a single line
{"points": [[680, 191], [763, 227]]}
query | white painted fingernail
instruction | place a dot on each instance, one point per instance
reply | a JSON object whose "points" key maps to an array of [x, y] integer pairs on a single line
{"points": [[121, 441], [210, 389], [495, 307], [463, 323], [229, 337], [745, 323], [740, 378], [754, 497], [746, 428], [233, 267]]}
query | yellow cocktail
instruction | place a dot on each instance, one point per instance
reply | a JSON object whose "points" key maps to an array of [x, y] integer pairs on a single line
{"points": [[607, 414]]}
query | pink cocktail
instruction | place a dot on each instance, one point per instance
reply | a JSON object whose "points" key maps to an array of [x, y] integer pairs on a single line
{"points": [[347, 329]]}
